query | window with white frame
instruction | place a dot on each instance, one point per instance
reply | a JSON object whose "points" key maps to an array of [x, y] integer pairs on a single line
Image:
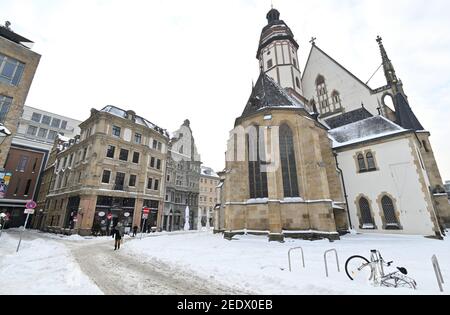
{"points": [[11, 70], [36, 117]]}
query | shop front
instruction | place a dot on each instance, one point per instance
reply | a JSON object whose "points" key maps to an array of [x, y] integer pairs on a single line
{"points": [[111, 211], [151, 223]]}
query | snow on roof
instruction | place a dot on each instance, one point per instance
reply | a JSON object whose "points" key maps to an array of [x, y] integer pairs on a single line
{"points": [[207, 171], [364, 130], [139, 120], [62, 138]]}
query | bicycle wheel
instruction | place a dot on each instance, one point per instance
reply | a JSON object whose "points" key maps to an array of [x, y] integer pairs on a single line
{"points": [[358, 268]]}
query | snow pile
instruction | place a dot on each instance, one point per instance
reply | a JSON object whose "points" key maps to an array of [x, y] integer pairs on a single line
{"points": [[253, 264], [40, 267]]}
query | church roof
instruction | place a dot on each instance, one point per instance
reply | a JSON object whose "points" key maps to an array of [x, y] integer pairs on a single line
{"points": [[315, 47], [268, 94], [365, 130], [405, 115], [276, 29], [348, 118]]}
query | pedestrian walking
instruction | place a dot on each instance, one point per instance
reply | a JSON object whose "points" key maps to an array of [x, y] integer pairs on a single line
{"points": [[118, 236], [135, 230]]}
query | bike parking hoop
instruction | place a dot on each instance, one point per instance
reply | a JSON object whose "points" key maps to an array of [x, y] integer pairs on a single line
{"points": [[289, 257], [438, 272], [326, 261]]}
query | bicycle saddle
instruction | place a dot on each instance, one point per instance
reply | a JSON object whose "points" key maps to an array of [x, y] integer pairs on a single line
{"points": [[403, 270]]}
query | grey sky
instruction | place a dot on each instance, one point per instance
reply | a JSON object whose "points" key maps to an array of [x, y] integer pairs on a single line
{"points": [[172, 60]]}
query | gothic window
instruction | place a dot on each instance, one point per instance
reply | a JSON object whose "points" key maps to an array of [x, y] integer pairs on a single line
{"points": [[322, 95], [257, 176], [336, 98], [361, 163], [370, 161], [366, 214], [389, 213], [288, 163]]}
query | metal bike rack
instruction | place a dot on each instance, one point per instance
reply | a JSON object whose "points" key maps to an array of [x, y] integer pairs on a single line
{"points": [[326, 262], [289, 256], [437, 271]]}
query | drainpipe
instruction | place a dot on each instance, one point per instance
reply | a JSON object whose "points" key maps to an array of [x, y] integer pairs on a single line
{"points": [[345, 190]]}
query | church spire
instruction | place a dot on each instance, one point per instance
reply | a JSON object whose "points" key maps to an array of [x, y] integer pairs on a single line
{"points": [[405, 116], [388, 67]]}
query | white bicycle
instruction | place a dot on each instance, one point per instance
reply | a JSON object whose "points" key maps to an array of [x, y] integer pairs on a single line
{"points": [[359, 268]]}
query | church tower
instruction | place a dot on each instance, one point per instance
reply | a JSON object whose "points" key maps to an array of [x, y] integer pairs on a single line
{"points": [[277, 53], [405, 117]]}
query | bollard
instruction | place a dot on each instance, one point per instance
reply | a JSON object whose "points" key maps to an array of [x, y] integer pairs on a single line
{"points": [[437, 271], [326, 262], [289, 257]]}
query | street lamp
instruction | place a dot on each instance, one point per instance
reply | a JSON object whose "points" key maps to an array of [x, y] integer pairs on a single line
{"points": [[4, 132]]}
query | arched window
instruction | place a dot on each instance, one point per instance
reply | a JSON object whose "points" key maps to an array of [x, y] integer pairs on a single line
{"points": [[322, 95], [297, 82], [389, 213], [366, 214], [362, 163], [370, 161], [257, 177], [288, 163], [336, 98]]}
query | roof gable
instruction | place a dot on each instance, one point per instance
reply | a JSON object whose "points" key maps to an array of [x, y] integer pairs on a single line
{"points": [[314, 48]]}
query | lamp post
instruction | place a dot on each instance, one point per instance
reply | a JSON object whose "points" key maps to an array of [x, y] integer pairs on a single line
{"points": [[4, 133]]}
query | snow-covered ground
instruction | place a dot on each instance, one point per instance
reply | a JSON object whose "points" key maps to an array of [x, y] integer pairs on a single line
{"points": [[163, 262], [256, 265], [42, 266]]}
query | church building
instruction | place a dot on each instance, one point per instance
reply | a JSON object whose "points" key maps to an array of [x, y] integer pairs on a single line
{"points": [[319, 153]]}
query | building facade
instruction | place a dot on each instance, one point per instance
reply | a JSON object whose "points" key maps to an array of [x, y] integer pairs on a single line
{"points": [[28, 156], [316, 154], [208, 200], [18, 65], [40, 128], [108, 175], [182, 182]]}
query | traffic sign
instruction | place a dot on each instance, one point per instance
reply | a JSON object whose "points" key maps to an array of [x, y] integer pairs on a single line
{"points": [[146, 210], [31, 204], [29, 211], [126, 214]]}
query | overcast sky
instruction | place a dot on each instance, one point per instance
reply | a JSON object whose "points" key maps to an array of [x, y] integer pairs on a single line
{"points": [[176, 60]]}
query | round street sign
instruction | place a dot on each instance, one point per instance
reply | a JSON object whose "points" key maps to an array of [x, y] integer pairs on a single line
{"points": [[126, 214], [101, 214], [31, 204], [146, 211]]}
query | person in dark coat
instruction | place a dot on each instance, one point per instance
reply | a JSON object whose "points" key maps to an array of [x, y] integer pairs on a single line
{"points": [[135, 230], [117, 235]]}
